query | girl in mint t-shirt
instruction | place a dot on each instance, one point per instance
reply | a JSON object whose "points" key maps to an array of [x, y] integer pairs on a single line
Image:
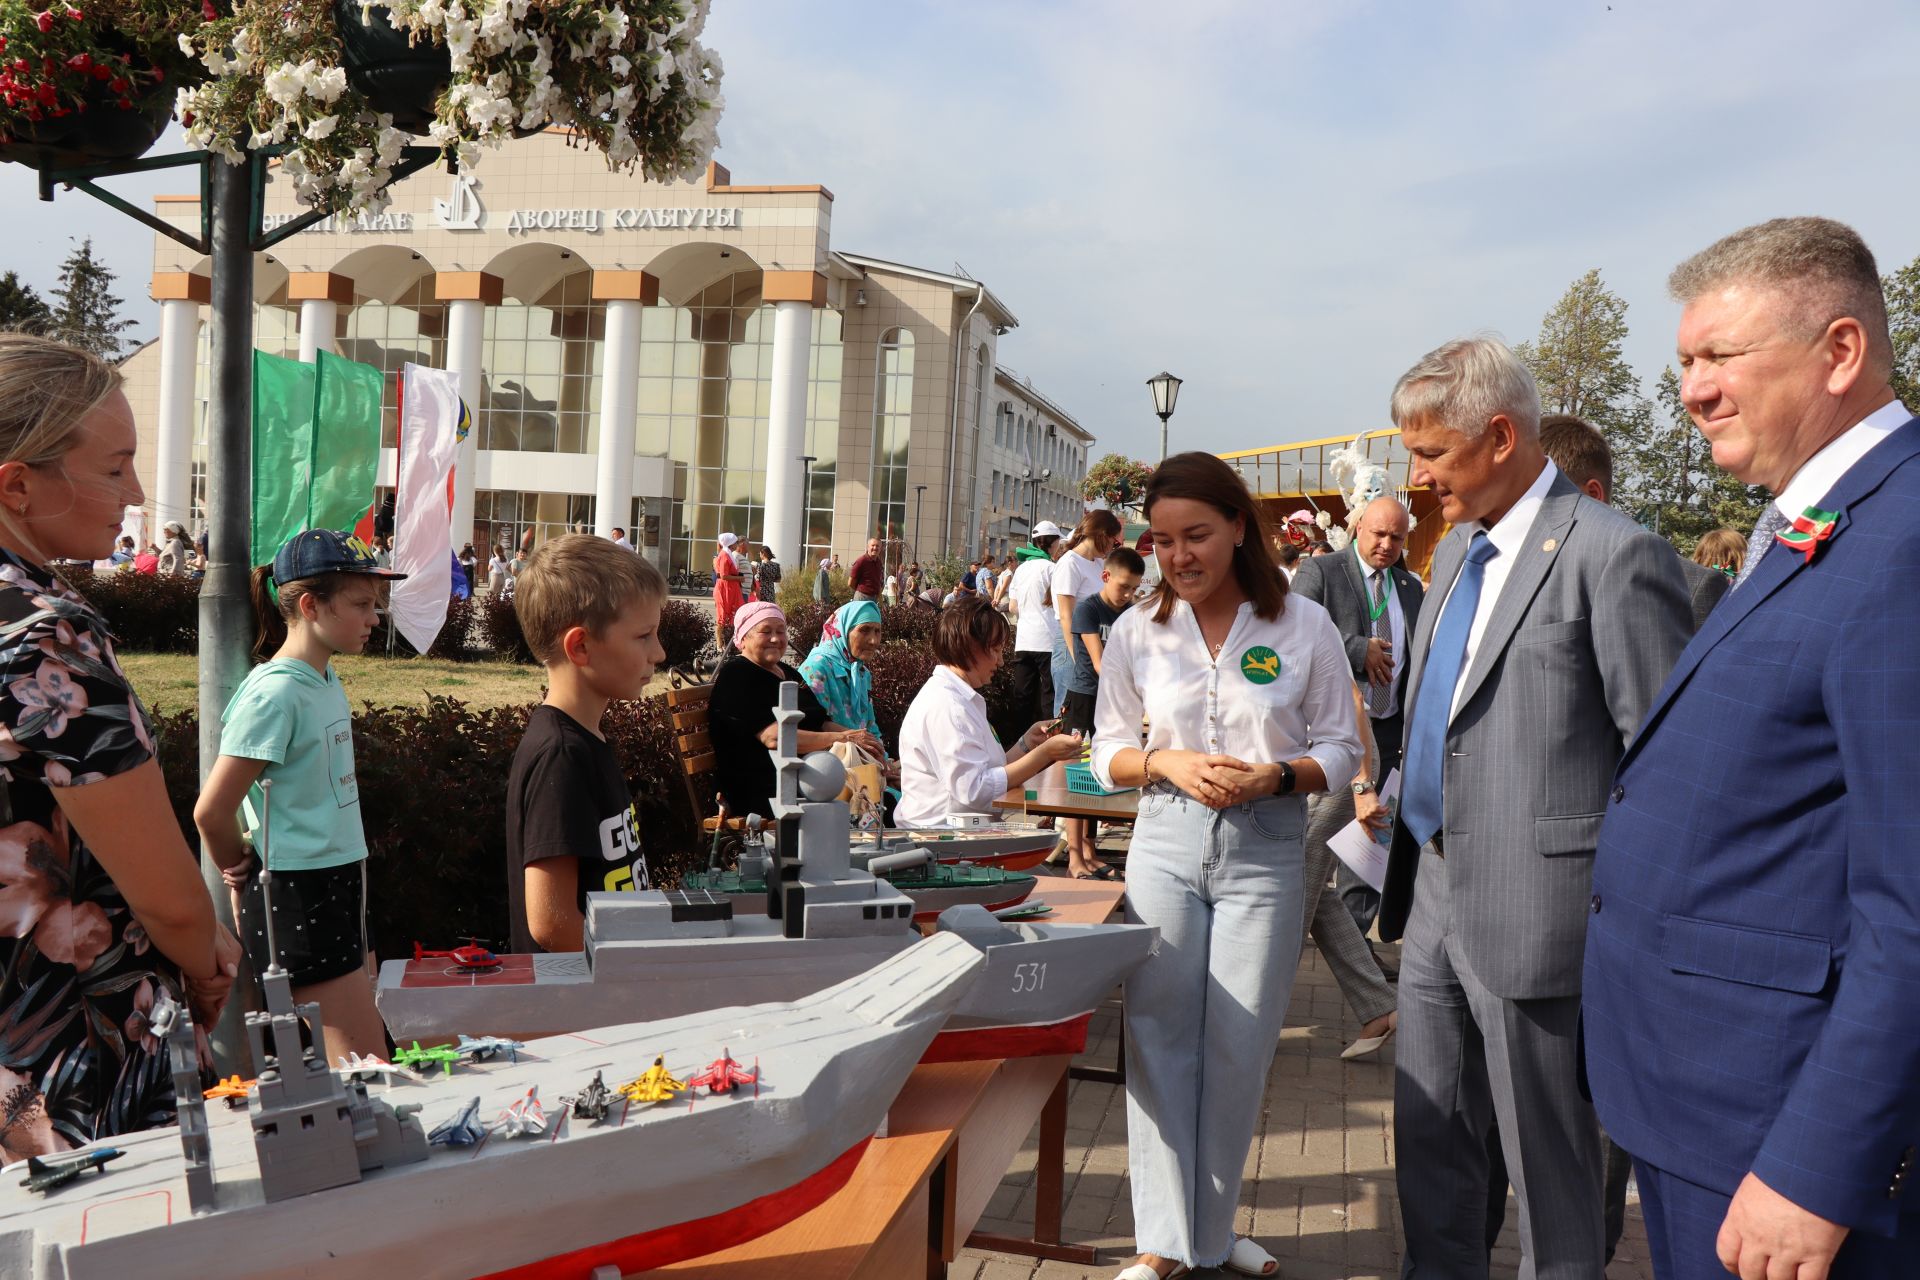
{"points": [[289, 724]]}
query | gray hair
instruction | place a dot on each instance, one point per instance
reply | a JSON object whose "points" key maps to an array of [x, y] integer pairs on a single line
{"points": [[1822, 269], [1464, 384]]}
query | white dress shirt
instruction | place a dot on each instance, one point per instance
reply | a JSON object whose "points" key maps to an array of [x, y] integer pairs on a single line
{"points": [[1509, 536], [1162, 672], [1819, 474], [1396, 622], [1035, 625], [950, 762]]}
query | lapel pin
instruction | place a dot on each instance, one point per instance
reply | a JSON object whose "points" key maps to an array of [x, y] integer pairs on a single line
{"points": [[1550, 544]]}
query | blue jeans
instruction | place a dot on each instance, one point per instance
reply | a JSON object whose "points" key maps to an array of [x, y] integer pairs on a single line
{"points": [[1203, 1014], [1062, 672]]}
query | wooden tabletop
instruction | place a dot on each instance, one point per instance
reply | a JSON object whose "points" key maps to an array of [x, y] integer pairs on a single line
{"points": [[1048, 793], [877, 1225]]}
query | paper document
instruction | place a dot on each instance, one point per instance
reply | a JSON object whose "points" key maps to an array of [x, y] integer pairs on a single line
{"points": [[1360, 849]]}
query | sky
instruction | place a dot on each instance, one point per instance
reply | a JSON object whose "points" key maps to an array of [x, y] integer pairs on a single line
{"points": [[1284, 204]]}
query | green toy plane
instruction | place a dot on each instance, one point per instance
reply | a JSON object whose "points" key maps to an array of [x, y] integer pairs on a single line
{"points": [[424, 1060]]}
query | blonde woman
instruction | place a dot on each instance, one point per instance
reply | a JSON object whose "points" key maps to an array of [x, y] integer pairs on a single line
{"points": [[105, 908]]}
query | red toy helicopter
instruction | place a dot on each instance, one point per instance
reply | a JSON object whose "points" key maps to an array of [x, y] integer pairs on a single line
{"points": [[472, 958], [724, 1075]]}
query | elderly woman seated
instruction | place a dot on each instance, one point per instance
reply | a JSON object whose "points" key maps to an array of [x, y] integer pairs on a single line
{"points": [[837, 669], [950, 762], [740, 712]]}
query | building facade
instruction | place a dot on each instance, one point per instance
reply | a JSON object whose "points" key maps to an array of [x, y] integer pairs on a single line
{"points": [[1032, 463], [677, 360]]}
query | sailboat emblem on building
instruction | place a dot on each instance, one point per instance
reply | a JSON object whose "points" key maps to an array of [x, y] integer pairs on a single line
{"points": [[461, 211]]}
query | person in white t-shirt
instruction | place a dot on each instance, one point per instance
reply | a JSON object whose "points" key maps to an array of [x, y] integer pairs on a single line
{"points": [[1036, 628], [1077, 576]]}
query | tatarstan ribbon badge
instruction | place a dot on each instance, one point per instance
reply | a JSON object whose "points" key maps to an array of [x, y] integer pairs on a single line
{"points": [[1809, 529]]}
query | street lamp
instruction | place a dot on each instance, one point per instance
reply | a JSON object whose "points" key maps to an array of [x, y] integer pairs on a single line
{"points": [[919, 503], [1033, 495], [1166, 390]]}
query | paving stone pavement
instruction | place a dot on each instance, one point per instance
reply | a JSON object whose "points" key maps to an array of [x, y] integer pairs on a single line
{"points": [[1319, 1189]]}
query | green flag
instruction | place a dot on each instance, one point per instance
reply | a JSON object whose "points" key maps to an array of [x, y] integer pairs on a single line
{"points": [[316, 446]]}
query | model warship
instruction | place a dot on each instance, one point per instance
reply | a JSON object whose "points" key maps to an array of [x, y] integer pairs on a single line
{"points": [[663, 954], [319, 1179]]}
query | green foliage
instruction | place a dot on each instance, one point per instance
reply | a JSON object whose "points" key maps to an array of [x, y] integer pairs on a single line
{"points": [[22, 309], [433, 800], [796, 589], [1117, 480], [1681, 494], [150, 612], [1903, 320], [85, 310]]}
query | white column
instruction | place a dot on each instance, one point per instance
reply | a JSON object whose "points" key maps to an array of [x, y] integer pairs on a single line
{"points": [[466, 331], [318, 319], [173, 468], [619, 396], [787, 430]]}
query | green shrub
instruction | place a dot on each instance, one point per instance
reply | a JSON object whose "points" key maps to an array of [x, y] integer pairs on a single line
{"points": [[433, 798], [147, 611]]}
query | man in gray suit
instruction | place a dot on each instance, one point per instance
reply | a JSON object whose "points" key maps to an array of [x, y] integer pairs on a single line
{"points": [[1376, 621], [1554, 622]]}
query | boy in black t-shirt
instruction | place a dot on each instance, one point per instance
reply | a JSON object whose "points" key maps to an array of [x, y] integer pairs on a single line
{"points": [[591, 613]]}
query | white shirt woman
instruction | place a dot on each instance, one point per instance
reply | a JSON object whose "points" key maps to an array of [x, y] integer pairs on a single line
{"points": [[950, 762], [1248, 705]]}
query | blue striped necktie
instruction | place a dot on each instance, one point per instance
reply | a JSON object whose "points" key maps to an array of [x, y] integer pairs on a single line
{"points": [[1423, 789]]}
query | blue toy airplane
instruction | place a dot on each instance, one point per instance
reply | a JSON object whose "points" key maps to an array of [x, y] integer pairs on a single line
{"points": [[463, 1130], [481, 1048], [45, 1175]]}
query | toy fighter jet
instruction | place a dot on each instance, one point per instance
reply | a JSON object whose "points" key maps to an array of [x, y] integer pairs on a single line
{"points": [[655, 1084], [424, 1060], [483, 1048], [724, 1075], [46, 1175], [463, 1130], [233, 1089], [526, 1116], [471, 958], [593, 1102], [366, 1065]]}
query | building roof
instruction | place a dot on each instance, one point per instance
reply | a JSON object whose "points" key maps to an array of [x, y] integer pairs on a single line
{"points": [[961, 284], [1024, 385]]}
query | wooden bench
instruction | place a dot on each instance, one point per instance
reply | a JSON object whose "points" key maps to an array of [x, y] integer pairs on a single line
{"points": [[688, 705]]}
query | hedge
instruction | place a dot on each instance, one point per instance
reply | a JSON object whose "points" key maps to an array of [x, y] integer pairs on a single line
{"points": [[433, 799], [151, 613]]}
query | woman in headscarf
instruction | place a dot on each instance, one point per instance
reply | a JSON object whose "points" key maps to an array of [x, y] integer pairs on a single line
{"points": [[837, 671], [727, 596], [740, 712]]}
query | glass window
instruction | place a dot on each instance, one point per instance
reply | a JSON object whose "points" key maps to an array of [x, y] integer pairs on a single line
{"points": [[892, 428]]}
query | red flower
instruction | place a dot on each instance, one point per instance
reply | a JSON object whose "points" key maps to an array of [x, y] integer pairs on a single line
{"points": [[207, 10], [74, 14], [44, 21], [80, 62]]}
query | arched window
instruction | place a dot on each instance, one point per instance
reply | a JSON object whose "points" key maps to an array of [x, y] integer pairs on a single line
{"points": [[892, 427]]}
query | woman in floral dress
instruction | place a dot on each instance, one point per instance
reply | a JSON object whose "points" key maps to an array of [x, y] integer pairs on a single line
{"points": [[101, 903]]}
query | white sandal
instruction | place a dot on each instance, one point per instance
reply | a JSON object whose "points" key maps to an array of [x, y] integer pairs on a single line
{"points": [[1141, 1271], [1249, 1259]]}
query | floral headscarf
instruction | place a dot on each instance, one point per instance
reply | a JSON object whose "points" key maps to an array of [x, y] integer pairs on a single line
{"points": [[842, 683]]}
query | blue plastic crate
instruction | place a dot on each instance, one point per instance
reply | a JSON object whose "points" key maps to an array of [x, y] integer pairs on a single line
{"points": [[1081, 781]]}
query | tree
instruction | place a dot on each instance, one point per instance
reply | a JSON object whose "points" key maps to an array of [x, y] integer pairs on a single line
{"points": [[1576, 359], [1682, 493], [85, 310], [1903, 319], [22, 309], [1117, 480]]}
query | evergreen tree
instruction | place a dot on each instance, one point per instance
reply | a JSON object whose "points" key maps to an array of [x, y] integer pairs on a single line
{"points": [[1685, 495], [85, 310], [22, 309], [1903, 320]]}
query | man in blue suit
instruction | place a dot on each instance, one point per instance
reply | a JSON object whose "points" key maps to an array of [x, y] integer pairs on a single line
{"points": [[1752, 982]]}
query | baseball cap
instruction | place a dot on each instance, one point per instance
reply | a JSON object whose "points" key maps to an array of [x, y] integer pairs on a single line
{"points": [[1047, 529], [322, 551]]}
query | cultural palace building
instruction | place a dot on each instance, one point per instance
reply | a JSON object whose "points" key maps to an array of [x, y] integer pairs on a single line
{"points": [[679, 360]]}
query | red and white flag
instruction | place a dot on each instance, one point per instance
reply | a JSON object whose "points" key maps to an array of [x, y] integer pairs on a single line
{"points": [[422, 542]]}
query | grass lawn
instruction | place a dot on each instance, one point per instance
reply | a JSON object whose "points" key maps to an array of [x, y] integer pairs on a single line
{"points": [[170, 680]]}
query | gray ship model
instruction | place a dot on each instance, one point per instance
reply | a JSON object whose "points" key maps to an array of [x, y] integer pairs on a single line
{"points": [[318, 1179], [664, 954]]}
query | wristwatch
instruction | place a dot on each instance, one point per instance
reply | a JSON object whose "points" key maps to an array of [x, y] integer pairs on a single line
{"points": [[1287, 780], [1362, 788]]}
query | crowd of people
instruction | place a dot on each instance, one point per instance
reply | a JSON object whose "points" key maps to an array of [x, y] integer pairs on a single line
{"points": [[1648, 860]]}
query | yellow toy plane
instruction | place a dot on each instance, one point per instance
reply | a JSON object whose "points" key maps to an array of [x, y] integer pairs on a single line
{"points": [[656, 1084]]}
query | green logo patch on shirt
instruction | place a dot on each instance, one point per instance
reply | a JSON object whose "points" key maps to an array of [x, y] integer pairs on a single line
{"points": [[1260, 664]]}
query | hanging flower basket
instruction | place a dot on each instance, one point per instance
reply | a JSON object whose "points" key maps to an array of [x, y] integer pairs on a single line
{"points": [[339, 85], [88, 86], [399, 76]]}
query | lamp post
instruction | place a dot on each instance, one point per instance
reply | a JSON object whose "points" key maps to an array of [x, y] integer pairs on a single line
{"points": [[1033, 495], [1166, 390], [919, 504]]}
